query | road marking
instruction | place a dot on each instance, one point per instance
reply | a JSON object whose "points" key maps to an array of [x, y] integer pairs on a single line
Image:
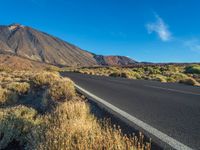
{"points": [[173, 90], [160, 135]]}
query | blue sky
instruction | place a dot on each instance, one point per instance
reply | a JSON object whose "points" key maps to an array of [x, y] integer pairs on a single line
{"points": [[145, 30]]}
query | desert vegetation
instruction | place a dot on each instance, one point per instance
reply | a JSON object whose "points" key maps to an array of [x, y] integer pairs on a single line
{"points": [[41, 110], [186, 74]]}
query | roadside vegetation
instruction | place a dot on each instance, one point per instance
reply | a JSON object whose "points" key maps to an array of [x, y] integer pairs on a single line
{"points": [[186, 74], [40, 110]]}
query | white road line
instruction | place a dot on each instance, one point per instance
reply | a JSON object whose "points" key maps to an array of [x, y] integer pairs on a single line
{"points": [[173, 90], [160, 135]]}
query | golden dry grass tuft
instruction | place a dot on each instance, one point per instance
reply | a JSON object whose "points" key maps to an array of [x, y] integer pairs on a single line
{"points": [[71, 126]]}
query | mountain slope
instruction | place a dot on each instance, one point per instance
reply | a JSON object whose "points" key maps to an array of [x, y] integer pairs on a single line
{"points": [[35, 45], [18, 63]]}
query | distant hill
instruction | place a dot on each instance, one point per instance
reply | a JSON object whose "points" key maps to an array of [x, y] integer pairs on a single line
{"points": [[35, 45], [113, 60]]}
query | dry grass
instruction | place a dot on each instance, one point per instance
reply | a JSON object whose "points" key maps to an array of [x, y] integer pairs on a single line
{"points": [[71, 126], [67, 123]]}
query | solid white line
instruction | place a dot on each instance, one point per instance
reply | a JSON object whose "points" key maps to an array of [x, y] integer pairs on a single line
{"points": [[173, 90], [160, 135]]}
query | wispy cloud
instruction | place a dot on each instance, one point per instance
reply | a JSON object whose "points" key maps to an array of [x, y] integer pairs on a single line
{"points": [[160, 28], [193, 44]]}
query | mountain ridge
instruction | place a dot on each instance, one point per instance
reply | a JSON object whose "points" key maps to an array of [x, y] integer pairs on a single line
{"points": [[39, 46]]}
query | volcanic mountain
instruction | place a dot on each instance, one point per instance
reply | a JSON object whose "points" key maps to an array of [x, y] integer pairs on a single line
{"points": [[32, 44]]}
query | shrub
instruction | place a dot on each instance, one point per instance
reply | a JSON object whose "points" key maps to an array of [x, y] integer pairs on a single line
{"points": [[178, 76], [158, 77], [71, 126], [15, 124], [45, 78], [124, 75], [193, 69], [3, 95], [190, 81], [170, 79], [62, 90], [19, 87], [115, 74]]}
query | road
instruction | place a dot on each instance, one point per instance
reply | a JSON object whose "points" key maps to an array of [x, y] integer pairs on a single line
{"points": [[173, 109]]}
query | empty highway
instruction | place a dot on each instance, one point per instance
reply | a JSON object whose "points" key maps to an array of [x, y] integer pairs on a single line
{"points": [[171, 108]]}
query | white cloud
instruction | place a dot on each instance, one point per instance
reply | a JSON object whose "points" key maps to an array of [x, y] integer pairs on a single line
{"points": [[193, 45], [160, 28]]}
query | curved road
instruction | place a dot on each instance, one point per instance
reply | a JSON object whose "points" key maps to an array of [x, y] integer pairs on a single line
{"points": [[173, 109]]}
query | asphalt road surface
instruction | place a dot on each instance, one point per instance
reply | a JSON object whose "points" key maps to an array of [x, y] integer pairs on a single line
{"points": [[173, 109]]}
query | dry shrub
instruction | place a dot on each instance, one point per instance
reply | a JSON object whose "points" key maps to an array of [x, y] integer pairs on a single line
{"points": [[62, 90], [190, 81], [15, 124], [178, 76], [71, 126], [19, 87], [45, 78], [115, 74], [7, 97], [158, 77], [58, 88], [3, 95]]}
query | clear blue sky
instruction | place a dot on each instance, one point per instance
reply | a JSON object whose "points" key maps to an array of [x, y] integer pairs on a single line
{"points": [[145, 30]]}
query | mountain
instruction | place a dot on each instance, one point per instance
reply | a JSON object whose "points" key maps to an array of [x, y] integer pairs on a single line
{"points": [[113, 60], [35, 45]]}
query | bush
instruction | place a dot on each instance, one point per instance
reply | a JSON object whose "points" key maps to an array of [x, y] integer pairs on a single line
{"points": [[45, 78], [193, 69], [178, 76], [115, 74], [15, 124], [62, 90], [125, 75], [170, 79], [19, 87], [158, 77], [190, 81], [3, 95], [71, 126]]}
